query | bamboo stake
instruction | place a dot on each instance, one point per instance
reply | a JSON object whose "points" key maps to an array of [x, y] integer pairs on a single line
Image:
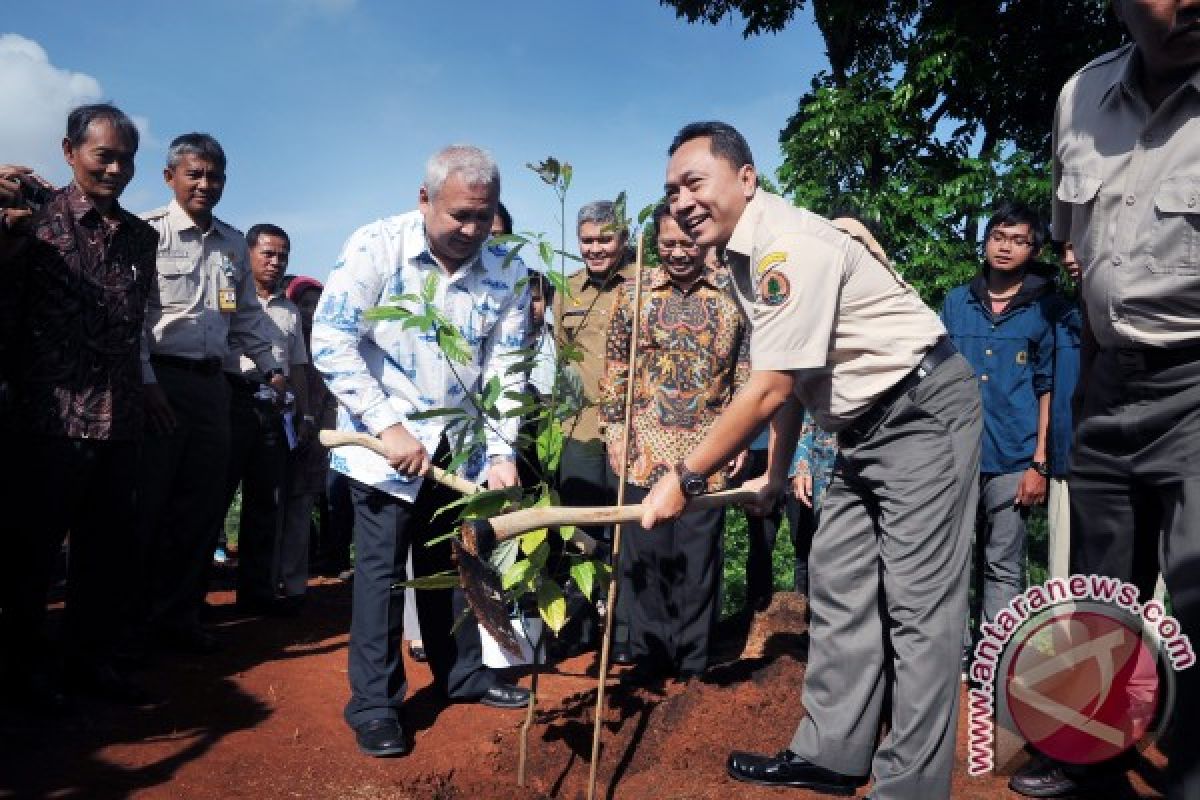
{"points": [[606, 642]]}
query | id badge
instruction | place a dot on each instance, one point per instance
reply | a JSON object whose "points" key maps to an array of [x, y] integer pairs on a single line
{"points": [[227, 300]]}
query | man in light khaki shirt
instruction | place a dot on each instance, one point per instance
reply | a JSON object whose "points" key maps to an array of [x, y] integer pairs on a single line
{"points": [[835, 326], [272, 561], [1127, 197], [205, 301], [581, 320]]}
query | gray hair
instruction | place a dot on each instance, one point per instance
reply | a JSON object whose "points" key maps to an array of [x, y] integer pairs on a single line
{"points": [[196, 144], [600, 212], [476, 166]]}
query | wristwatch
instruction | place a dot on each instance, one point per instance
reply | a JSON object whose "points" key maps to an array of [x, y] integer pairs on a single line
{"points": [[692, 484], [1040, 468]]}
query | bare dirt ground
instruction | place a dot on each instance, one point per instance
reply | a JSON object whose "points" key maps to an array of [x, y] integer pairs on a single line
{"points": [[262, 719]]}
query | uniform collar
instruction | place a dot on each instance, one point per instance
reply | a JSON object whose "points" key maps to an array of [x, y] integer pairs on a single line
{"points": [[1125, 77], [741, 241], [181, 221], [612, 277]]}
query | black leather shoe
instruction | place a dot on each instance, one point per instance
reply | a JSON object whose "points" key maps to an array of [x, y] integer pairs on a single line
{"points": [[505, 695], [621, 655], [381, 738], [1044, 778], [788, 769]]}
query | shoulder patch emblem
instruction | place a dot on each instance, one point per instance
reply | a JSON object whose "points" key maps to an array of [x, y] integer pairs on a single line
{"points": [[1022, 357], [774, 289], [770, 260]]}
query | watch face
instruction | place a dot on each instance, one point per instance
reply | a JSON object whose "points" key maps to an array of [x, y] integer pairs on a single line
{"points": [[694, 485]]}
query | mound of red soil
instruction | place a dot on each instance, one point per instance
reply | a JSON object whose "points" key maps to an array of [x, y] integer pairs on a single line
{"points": [[263, 719]]}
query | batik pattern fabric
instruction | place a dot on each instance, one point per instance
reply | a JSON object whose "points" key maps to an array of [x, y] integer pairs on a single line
{"points": [[71, 311], [816, 452], [382, 372], [694, 356]]}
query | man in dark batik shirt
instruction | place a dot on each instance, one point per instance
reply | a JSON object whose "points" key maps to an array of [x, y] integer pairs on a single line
{"points": [[77, 274], [693, 357]]}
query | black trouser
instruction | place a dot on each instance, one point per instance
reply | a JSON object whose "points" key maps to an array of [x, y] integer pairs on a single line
{"points": [[762, 532], [85, 488], [674, 575], [337, 525], [1135, 491], [257, 461], [585, 479], [385, 527], [181, 486]]}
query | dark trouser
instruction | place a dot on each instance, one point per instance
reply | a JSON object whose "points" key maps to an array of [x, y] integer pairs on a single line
{"points": [[585, 479], [257, 460], [337, 525], [888, 591], [762, 532], [84, 488], [1135, 491], [674, 574], [384, 529], [181, 487]]}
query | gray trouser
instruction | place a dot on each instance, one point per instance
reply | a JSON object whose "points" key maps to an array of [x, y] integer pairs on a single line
{"points": [[290, 570], [888, 592], [1135, 491], [1000, 546]]}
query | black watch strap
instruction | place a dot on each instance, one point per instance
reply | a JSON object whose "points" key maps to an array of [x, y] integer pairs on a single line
{"points": [[1040, 468], [693, 484]]}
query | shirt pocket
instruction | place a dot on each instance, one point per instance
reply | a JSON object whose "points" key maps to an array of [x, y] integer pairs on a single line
{"points": [[1079, 189], [176, 280], [1175, 245]]}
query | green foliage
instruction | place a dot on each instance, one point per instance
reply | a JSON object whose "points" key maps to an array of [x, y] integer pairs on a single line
{"points": [[928, 113]]}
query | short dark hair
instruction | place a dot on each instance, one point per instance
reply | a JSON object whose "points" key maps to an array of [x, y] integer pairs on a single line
{"points": [[198, 144], [543, 284], [1011, 212], [505, 217], [81, 118], [265, 229], [724, 141]]}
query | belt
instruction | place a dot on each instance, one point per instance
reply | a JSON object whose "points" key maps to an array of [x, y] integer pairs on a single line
{"points": [[1154, 359], [865, 423], [204, 366]]}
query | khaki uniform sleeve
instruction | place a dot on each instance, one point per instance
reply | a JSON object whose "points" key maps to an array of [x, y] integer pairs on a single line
{"points": [[795, 303]]}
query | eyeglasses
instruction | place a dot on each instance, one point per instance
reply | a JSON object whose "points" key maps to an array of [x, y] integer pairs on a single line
{"points": [[669, 246], [997, 237]]}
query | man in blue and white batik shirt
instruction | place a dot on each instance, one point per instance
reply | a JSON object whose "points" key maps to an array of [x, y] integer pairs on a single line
{"points": [[381, 373]]}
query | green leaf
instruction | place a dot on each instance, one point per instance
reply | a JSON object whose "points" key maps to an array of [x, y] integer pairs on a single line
{"points": [[546, 250], [584, 575], [532, 540], [441, 580], [540, 554], [387, 313], [559, 281], [566, 532], [454, 345], [567, 172], [518, 574], [429, 290], [552, 605], [506, 238], [645, 213], [512, 254], [550, 444]]}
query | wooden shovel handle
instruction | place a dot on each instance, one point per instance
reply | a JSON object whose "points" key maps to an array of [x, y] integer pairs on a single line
{"points": [[506, 526], [332, 439]]}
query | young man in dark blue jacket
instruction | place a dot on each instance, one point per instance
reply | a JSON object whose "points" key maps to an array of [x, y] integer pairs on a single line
{"points": [[1003, 324]]}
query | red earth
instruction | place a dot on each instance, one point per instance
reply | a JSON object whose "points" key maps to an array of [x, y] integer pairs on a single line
{"points": [[263, 719]]}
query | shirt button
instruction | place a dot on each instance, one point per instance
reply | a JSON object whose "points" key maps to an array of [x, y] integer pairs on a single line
{"points": [[1192, 201], [1130, 199], [987, 352], [983, 378], [1116, 261]]}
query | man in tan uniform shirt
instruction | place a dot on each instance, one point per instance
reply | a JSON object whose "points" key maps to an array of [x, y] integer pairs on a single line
{"points": [[838, 329], [204, 303], [581, 320], [1127, 197]]}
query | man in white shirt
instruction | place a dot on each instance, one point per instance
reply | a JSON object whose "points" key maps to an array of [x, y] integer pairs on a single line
{"points": [[382, 373]]}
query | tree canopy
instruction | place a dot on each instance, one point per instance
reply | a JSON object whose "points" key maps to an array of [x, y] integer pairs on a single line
{"points": [[929, 112]]}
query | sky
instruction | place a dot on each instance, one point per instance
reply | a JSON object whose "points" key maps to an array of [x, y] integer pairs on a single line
{"points": [[328, 109]]}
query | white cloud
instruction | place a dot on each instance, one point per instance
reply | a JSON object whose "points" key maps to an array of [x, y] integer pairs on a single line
{"points": [[44, 94]]}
